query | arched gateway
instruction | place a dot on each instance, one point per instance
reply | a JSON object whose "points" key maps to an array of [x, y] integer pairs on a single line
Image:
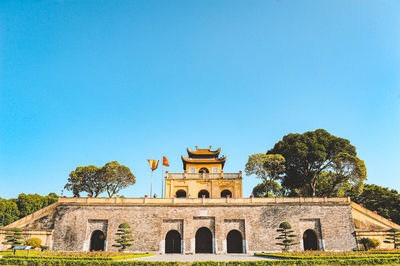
{"points": [[234, 242], [173, 242], [204, 240], [310, 240], [97, 241]]}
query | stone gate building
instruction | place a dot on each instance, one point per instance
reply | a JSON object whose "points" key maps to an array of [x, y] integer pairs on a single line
{"points": [[203, 212]]}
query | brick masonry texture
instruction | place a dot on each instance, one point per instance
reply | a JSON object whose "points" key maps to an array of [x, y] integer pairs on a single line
{"points": [[74, 224]]}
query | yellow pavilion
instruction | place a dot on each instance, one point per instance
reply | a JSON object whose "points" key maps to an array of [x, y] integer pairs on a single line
{"points": [[203, 176]]}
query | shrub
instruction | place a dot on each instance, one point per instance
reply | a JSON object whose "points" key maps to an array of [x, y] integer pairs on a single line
{"points": [[14, 237], [34, 242], [125, 237], [374, 243], [286, 235], [393, 237], [43, 247]]}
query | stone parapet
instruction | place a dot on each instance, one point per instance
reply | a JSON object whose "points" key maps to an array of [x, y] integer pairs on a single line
{"points": [[205, 201], [203, 175]]}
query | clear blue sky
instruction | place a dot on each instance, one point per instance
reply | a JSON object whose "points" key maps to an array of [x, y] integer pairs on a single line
{"points": [[88, 82]]}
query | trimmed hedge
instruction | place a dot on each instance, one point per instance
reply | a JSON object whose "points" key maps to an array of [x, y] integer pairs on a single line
{"points": [[350, 256], [63, 262], [122, 257]]}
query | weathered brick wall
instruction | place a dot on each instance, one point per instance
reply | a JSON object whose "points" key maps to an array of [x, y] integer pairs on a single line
{"points": [[332, 223]]}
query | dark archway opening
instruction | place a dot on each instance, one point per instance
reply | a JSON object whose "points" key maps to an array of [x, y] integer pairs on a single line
{"points": [[97, 241], [204, 240], [173, 242], [203, 192], [204, 170], [310, 240], [180, 193], [225, 193], [234, 242]]}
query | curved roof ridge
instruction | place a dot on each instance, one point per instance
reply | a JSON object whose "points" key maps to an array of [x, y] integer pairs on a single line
{"points": [[203, 151]]}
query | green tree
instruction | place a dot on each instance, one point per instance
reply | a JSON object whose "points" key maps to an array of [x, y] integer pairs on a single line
{"points": [[116, 177], [268, 168], [111, 178], [345, 175], [85, 179], [13, 237], [381, 199], [124, 239], [317, 155], [393, 237], [30, 203], [9, 212], [260, 190], [286, 236]]}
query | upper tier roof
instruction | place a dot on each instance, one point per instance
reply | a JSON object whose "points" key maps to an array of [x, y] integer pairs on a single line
{"points": [[186, 160], [203, 153]]}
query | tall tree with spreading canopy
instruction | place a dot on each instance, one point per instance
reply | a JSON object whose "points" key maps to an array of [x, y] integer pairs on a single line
{"points": [[85, 179], [318, 162], [116, 177], [111, 178], [267, 167]]}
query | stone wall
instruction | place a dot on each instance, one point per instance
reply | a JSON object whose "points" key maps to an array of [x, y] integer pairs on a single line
{"points": [[75, 223]]}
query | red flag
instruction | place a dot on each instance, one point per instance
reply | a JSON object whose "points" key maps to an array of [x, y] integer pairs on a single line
{"points": [[153, 164], [165, 161]]}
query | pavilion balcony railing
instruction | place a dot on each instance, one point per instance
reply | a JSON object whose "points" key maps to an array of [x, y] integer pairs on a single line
{"points": [[203, 175]]}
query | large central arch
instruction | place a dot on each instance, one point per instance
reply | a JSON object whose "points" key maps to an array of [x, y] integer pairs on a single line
{"points": [[181, 193], [204, 240], [173, 242], [310, 240], [234, 242], [97, 241]]}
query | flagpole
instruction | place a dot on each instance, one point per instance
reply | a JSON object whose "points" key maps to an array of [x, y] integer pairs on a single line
{"points": [[151, 183], [162, 180]]}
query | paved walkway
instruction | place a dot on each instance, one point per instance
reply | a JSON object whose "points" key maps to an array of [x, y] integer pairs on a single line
{"points": [[201, 257]]}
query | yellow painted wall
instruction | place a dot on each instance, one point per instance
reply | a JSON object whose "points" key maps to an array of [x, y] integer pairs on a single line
{"points": [[193, 186], [199, 166]]}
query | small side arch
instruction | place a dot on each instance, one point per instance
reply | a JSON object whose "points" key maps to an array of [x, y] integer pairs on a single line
{"points": [[173, 242], [97, 241], [310, 240], [234, 242]]}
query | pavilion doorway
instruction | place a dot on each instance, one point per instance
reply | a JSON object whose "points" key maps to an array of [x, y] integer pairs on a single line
{"points": [[204, 193], [180, 193], [226, 193]]}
